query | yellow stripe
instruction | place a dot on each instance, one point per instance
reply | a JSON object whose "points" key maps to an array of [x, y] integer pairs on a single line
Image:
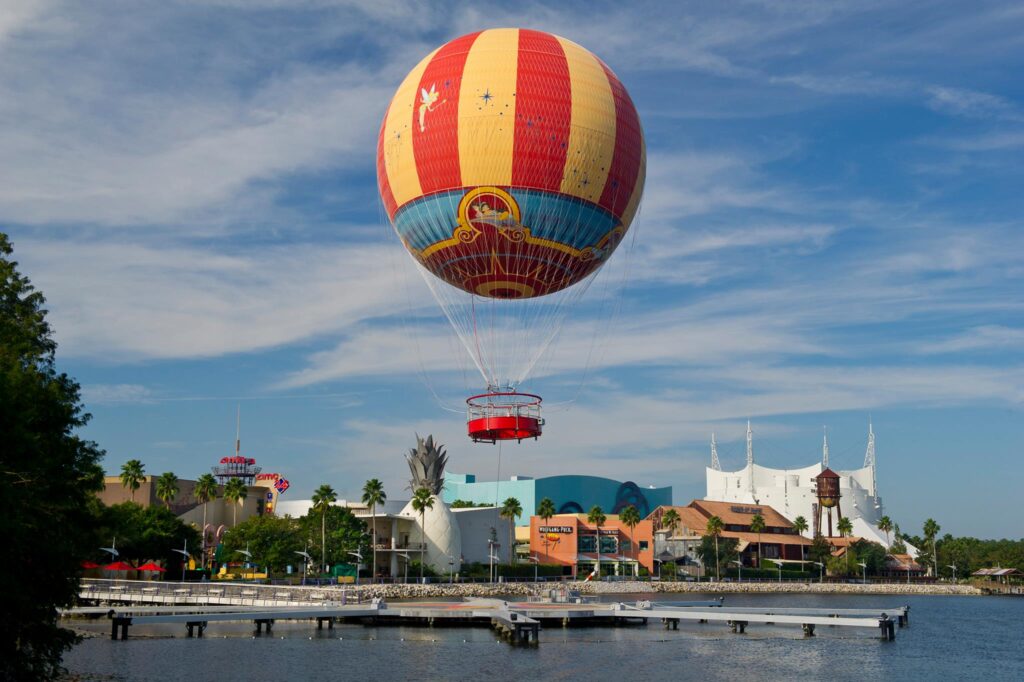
{"points": [[487, 108], [638, 190], [398, 155], [592, 126]]}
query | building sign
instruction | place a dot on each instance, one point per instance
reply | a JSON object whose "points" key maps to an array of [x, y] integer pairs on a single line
{"points": [[608, 531], [745, 510], [556, 529], [281, 485]]}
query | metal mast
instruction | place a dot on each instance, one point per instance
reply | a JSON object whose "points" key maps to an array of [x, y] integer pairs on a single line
{"points": [[715, 464], [238, 432], [750, 459], [824, 450], [869, 461]]}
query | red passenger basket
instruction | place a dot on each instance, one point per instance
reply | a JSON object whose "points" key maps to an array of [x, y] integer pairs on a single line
{"points": [[491, 417]]}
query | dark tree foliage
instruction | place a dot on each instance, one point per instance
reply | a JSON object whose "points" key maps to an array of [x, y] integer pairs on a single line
{"points": [[345, 533], [726, 552], [819, 550], [272, 540], [50, 474], [145, 533]]}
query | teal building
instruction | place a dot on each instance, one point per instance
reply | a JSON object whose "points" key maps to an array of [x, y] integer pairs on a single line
{"points": [[571, 494]]}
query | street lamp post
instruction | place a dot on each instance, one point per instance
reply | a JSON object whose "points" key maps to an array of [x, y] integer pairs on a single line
{"points": [[451, 569], [740, 568], [305, 555], [184, 558], [821, 571], [359, 558], [779, 565], [536, 562], [112, 550], [953, 566], [494, 559], [700, 567], [864, 571]]}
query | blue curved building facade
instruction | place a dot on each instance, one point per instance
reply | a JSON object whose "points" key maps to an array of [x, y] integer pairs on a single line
{"points": [[571, 494]]}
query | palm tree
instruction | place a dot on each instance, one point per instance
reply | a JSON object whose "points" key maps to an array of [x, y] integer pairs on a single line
{"points": [[167, 488], [235, 492], [373, 494], [323, 498], [800, 525], [545, 510], [597, 517], [757, 526], [631, 517], [511, 510], [133, 473], [205, 490], [845, 528], [671, 519], [885, 525], [422, 500], [931, 529], [714, 529]]}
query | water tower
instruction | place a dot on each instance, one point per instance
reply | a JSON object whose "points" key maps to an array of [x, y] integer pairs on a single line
{"points": [[828, 497]]}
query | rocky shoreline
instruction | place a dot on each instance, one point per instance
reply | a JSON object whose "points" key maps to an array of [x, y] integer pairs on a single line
{"points": [[526, 589]]}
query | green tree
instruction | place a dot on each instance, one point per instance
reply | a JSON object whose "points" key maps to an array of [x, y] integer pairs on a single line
{"points": [[718, 551], [235, 492], [346, 532], [757, 526], [596, 516], [466, 504], [272, 540], [714, 529], [800, 525], [167, 488], [670, 519], [206, 489], [50, 476], [422, 500], [545, 510], [323, 498], [631, 517], [373, 494], [511, 510], [931, 530], [133, 475], [145, 533], [820, 550], [845, 529], [885, 525]]}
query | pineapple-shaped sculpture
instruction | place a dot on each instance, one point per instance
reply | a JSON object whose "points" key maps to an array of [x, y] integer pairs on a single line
{"points": [[426, 463], [440, 530]]}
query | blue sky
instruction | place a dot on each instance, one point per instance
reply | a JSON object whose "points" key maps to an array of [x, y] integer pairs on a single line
{"points": [[831, 232]]}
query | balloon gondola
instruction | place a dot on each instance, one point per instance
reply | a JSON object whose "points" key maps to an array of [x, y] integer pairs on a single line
{"points": [[510, 163]]}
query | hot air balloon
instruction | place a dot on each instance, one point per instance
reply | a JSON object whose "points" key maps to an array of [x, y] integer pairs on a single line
{"points": [[510, 163]]}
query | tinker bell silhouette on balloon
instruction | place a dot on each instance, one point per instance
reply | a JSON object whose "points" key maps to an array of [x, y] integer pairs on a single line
{"points": [[428, 100], [503, 221]]}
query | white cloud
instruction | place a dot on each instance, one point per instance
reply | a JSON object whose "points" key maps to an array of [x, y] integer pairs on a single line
{"points": [[107, 394], [978, 338]]}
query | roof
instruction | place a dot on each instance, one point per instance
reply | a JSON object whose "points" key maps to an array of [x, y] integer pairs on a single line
{"points": [[903, 561], [827, 473], [739, 514], [997, 572]]}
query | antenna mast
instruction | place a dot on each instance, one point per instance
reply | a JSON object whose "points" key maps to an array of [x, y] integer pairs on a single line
{"points": [[869, 461], [715, 464], [750, 459], [824, 449], [238, 432]]}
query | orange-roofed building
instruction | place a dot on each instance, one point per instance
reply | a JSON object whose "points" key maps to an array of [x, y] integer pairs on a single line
{"points": [[572, 541], [778, 540]]}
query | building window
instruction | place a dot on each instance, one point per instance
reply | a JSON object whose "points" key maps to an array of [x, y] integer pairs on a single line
{"points": [[643, 545], [587, 543], [609, 544]]}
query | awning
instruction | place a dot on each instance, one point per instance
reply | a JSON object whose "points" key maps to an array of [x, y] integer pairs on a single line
{"points": [[119, 566], [151, 567]]}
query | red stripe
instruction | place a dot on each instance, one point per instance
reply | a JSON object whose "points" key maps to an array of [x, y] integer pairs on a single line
{"points": [[386, 195], [543, 112], [625, 164], [436, 148]]}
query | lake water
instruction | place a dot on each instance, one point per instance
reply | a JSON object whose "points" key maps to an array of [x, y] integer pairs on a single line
{"points": [[948, 638]]}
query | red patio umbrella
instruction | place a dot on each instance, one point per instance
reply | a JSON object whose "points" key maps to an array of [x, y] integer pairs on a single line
{"points": [[90, 564], [151, 567], [119, 566]]}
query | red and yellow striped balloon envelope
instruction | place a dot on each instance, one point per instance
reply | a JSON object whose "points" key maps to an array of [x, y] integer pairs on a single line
{"points": [[511, 163]]}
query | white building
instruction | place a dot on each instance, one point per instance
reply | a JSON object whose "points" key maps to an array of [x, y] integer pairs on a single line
{"points": [[792, 492]]}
